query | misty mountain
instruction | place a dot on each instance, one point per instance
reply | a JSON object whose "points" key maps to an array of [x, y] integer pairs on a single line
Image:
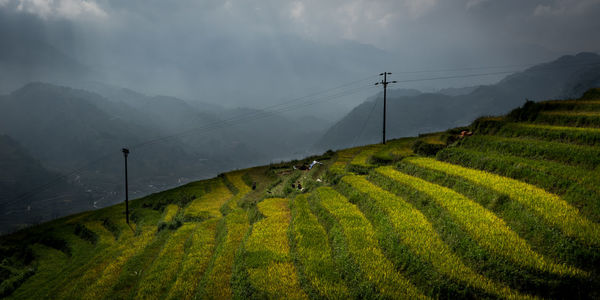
{"points": [[457, 91], [19, 174], [567, 77], [172, 141], [249, 71]]}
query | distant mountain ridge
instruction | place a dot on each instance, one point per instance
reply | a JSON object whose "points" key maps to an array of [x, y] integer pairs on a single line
{"points": [[567, 77], [19, 174], [65, 128]]}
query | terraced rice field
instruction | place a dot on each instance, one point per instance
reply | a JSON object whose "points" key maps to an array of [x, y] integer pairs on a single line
{"points": [[361, 163], [577, 135], [571, 118], [510, 212], [266, 257]]}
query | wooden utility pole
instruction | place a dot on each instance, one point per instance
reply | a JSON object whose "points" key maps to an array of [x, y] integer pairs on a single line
{"points": [[125, 153], [384, 82]]}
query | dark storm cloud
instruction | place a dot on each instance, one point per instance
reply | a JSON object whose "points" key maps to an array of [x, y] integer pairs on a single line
{"points": [[257, 52]]}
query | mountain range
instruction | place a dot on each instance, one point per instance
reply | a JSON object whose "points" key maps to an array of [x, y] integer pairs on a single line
{"points": [[78, 134], [71, 136], [408, 115]]}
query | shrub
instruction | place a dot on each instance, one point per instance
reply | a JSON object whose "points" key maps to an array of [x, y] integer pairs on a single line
{"points": [[591, 94], [526, 113], [84, 233], [426, 149], [487, 125], [111, 227], [56, 243]]}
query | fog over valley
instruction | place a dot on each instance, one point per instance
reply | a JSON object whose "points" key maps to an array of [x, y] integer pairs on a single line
{"points": [[197, 88]]}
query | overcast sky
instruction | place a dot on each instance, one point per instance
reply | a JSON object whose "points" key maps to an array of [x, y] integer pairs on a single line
{"points": [[259, 52]]}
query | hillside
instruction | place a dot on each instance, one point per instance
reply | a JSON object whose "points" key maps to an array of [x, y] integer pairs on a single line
{"points": [[18, 170], [512, 211], [566, 77], [65, 128]]}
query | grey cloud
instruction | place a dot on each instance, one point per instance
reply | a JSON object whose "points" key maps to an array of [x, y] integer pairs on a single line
{"points": [[254, 53]]}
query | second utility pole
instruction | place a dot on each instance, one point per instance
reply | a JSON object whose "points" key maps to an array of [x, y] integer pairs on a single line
{"points": [[125, 153], [385, 83]]}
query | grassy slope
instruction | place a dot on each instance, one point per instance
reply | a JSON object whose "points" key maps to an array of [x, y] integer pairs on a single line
{"points": [[367, 223]]}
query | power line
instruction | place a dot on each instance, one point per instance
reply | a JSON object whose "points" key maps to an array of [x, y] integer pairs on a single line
{"points": [[491, 67], [364, 124], [491, 73], [250, 117], [280, 107], [60, 177], [215, 125]]}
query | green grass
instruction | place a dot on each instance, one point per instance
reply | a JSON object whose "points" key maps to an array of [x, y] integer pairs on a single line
{"points": [[411, 228], [571, 105], [543, 238], [338, 168], [576, 135], [549, 207], [234, 226], [103, 283], [577, 155], [360, 253], [580, 187], [209, 204], [361, 163], [474, 255], [311, 252], [486, 228], [265, 259], [163, 272], [202, 243], [393, 150], [218, 275], [570, 118]]}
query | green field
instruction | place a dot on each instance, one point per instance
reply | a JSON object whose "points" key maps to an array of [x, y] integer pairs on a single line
{"points": [[512, 211]]}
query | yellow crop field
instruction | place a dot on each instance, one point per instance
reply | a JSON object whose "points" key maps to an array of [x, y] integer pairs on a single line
{"points": [[572, 113], [202, 243], [555, 128], [278, 280], [208, 205], [550, 207], [170, 212], [490, 231], [104, 236], [416, 231], [362, 158], [165, 267], [111, 273], [278, 274], [101, 270], [53, 263], [343, 158], [217, 281], [312, 250], [269, 234], [364, 248], [236, 224]]}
